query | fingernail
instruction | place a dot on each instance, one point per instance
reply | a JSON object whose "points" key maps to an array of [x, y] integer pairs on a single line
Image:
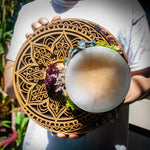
{"points": [[43, 21], [73, 136], [61, 135], [56, 18], [37, 25], [28, 34]]}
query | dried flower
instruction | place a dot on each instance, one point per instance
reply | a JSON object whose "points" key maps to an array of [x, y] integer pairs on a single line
{"points": [[55, 78], [52, 69], [50, 80]]}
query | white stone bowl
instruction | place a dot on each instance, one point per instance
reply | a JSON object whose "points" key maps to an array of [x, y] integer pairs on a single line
{"points": [[97, 79]]}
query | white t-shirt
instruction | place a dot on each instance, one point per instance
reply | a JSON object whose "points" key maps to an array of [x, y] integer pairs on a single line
{"points": [[126, 20]]}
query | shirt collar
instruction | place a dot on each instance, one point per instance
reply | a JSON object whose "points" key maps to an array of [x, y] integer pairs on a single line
{"points": [[63, 3]]}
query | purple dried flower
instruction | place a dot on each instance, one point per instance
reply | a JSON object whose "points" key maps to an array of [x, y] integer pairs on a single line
{"points": [[59, 89], [49, 81], [52, 69], [51, 75], [55, 78]]}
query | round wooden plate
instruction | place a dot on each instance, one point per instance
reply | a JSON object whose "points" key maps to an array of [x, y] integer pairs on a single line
{"points": [[48, 45]]}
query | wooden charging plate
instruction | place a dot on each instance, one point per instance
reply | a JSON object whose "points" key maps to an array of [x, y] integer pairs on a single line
{"points": [[48, 45]]}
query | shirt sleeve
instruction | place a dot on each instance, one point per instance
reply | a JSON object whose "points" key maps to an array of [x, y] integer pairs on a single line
{"points": [[18, 37], [22, 26], [139, 49], [27, 15]]}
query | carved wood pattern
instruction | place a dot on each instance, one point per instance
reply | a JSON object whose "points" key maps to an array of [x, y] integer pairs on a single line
{"points": [[47, 45]]}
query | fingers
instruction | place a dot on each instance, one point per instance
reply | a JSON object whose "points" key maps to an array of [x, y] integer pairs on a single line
{"points": [[36, 25], [41, 22], [61, 135], [28, 34], [72, 136], [56, 18]]}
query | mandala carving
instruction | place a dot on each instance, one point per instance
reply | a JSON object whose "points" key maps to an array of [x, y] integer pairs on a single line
{"points": [[45, 46]]}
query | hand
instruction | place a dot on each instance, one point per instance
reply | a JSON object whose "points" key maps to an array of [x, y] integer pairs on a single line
{"points": [[139, 85], [8, 79], [41, 22], [71, 136]]}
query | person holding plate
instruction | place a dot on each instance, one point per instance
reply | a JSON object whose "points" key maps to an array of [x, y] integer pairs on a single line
{"points": [[126, 20]]}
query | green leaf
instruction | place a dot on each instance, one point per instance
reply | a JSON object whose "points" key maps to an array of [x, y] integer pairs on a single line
{"points": [[3, 148], [2, 50], [8, 100], [69, 103], [7, 40], [19, 117], [6, 123], [13, 107], [8, 35], [1, 65], [10, 32], [105, 44], [24, 122], [1, 33]]}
